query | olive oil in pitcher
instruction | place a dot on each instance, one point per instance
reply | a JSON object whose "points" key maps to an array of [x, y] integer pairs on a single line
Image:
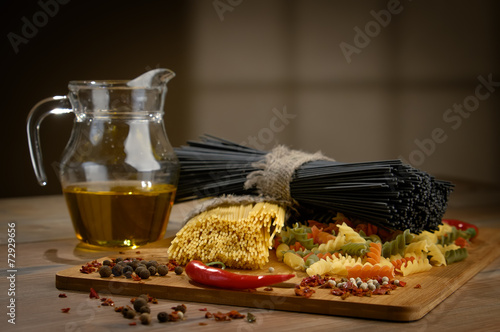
{"points": [[119, 214]]}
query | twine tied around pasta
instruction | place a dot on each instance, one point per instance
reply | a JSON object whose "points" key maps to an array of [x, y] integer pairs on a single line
{"points": [[275, 172]]}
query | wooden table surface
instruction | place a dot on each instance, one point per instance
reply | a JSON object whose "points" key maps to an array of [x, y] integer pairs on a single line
{"points": [[45, 244]]}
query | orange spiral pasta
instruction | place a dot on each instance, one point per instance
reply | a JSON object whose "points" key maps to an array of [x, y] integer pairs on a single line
{"points": [[370, 271], [374, 253], [398, 263]]}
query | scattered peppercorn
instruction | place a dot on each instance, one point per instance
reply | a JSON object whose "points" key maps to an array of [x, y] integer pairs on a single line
{"points": [[140, 268], [162, 317], [152, 270], [106, 262], [145, 297], [251, 318], [117, 270], [139, 302], [181, 307], [105, 271], [145, 318], [144, 274], [162, 270], [144, 309], [127, 268], [129, 314], [178, 270]]}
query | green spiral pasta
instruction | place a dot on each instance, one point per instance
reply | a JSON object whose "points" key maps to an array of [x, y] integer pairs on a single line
{"points": [[398, 245], [297, 234], [355, 249], [450, 237], [373, 238], [457, 255]]}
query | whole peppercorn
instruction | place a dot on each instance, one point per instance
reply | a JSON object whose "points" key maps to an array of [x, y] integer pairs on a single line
{"points": [[139, 269], [135, 263], [162, 317], [178, 270], [162, 270], [105, 271], [128, 274], [127, 268], [124, 311], [117, 270], [181, 307], [152, 270], [145, 318], [130, 314], [154, 263], [145, 297], [139, 303], [144, 274], [106, 262], [127, 312], [145, 308], [118, 260]]}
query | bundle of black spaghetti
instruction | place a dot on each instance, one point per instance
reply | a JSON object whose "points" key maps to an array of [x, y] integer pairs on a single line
{"points": [[389, 194]]}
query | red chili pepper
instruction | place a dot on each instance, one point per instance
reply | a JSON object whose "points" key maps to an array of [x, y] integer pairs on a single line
{"points": [[212, 276], [461, 225]]}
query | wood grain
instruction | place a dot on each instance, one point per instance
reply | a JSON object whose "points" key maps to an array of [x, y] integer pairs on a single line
{"points": [[403, 304]]}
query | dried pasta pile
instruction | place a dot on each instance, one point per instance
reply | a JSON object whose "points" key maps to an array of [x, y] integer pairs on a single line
{"points": [[237, 235]]}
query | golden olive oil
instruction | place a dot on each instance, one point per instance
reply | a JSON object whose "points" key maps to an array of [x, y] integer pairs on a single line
{"points": [[120, 214]]}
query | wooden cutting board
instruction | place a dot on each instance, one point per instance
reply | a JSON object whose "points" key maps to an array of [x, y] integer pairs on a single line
{"points": [[403, 304]]}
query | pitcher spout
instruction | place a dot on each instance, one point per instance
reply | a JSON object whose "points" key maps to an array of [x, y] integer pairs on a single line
{"points": [[153, 78]]}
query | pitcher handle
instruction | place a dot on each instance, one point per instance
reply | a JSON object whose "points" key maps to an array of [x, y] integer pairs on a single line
{"points": [[58, 105]]}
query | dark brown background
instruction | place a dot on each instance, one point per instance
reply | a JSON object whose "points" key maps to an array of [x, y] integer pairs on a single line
{"points": [[265, 55]]}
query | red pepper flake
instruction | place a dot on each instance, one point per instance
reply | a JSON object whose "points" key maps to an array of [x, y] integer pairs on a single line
{"points": [[220, 317], [337, 292], [119, 309], [153, 300], [202, 324], [306, 291], [172, 264], [132, 324], [382, 291], [314, 281], [268, 289], [136, 277], [208, 315], [235, 315], [90, 267], [137, 252], [417, 286], [65, 310], [202, 309], [107, 302], [345, 295], [62, 295], [402, 284], [93, 294]]}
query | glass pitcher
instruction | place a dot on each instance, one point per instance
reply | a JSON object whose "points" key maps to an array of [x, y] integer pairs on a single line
{"points": [[118, 172]]}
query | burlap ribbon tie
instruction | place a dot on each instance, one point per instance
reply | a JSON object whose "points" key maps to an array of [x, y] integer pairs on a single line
{"points": [[271, 178]]}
